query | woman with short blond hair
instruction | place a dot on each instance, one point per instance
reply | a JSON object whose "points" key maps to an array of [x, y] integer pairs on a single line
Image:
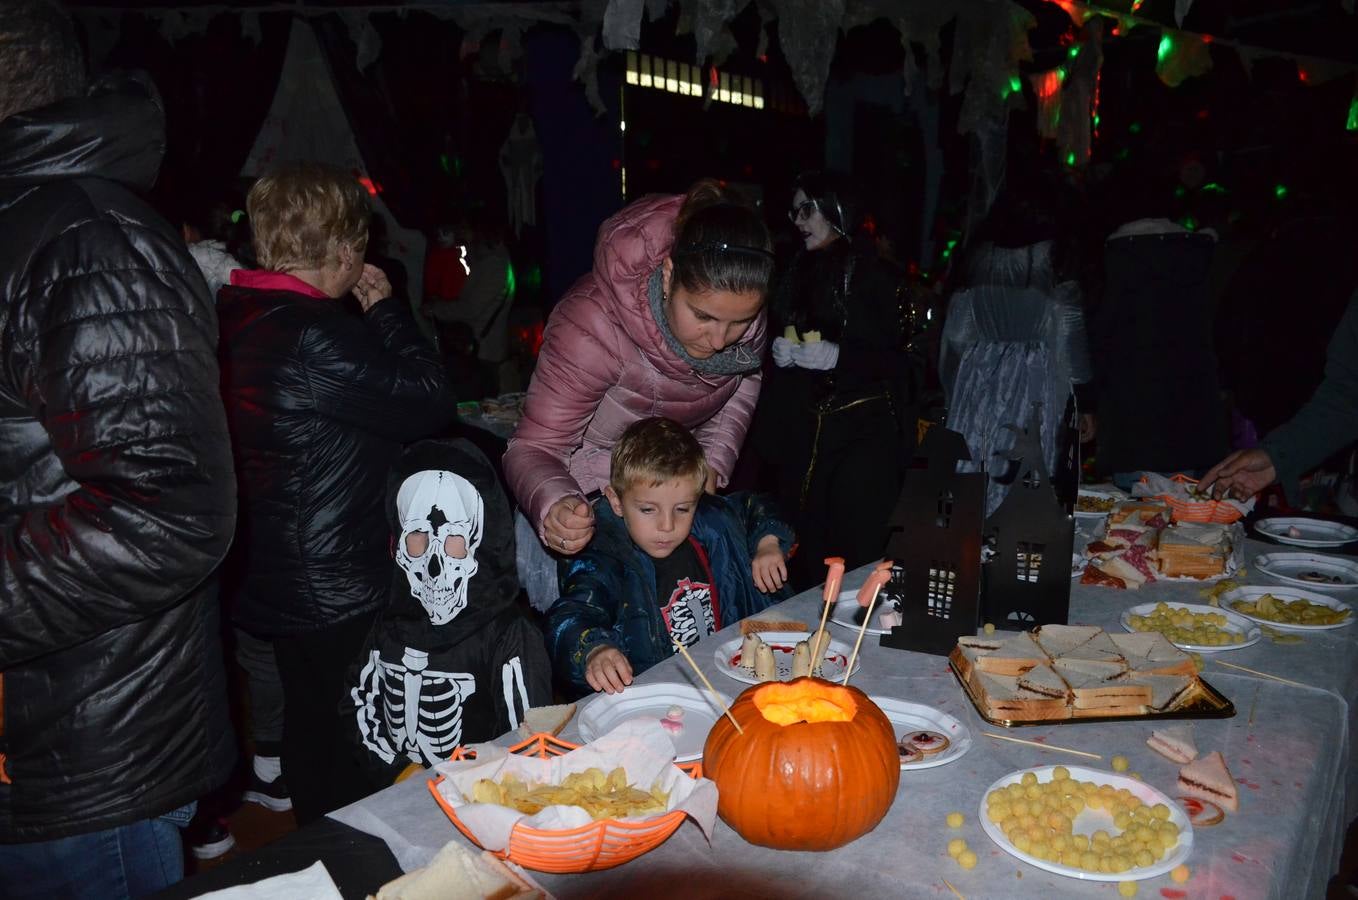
{"points": [[319, 401]]}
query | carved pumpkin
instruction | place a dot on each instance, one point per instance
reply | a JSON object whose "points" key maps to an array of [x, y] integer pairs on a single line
{"points": [[817, 766]]}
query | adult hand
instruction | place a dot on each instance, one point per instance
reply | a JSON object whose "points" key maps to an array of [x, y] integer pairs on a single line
{"points": [[820, 355], [1242, 474], [372, 287], [782, 352], [1089, 427], [569, 525], [710, 485], [769, 567], [607, 670]]}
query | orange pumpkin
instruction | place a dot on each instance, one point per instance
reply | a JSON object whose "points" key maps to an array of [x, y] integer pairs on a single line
{"points": [[817, 766]]}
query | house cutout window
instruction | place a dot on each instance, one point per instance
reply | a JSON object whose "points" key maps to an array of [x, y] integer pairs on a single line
{"points": [[1028, 564], [942, 588], [945, 500]]}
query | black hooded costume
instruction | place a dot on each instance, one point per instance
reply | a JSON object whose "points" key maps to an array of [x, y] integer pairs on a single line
{"points": [[451, 637]]}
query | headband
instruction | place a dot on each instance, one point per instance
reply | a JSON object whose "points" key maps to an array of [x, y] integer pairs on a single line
{"points": [[720, 247]]}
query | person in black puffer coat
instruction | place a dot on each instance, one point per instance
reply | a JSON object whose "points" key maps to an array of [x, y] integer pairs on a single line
{"points": [[117, 498], [319, 401]]}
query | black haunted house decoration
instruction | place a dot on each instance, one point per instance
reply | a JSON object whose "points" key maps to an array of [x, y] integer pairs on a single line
{"points": [[1027, 583], [935, 544]]}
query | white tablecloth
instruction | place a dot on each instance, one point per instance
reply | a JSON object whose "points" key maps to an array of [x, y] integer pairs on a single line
{"points": [[1293, 764]]}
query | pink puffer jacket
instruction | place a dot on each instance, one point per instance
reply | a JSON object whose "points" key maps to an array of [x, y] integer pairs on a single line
{"points": [[604, 364]]}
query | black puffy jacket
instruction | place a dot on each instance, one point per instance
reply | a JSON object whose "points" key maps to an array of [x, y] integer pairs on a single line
{"points": [[319, 402], [117, 499]]}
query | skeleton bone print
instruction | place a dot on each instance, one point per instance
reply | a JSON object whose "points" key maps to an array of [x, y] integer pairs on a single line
{"points": [[405, 709], [679, 613]]}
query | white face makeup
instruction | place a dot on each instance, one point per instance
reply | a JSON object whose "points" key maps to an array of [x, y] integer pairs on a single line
{"points": [[810, 222]]}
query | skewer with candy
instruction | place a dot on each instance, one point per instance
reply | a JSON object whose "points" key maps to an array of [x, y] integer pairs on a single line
{"points": [[867, 597], [821, 639]]}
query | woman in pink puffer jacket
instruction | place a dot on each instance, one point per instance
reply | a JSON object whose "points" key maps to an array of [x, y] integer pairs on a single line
{"points": [[669, 323]]}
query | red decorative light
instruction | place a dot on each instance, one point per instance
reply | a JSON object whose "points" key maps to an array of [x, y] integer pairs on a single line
{"points": [[372, 187]]}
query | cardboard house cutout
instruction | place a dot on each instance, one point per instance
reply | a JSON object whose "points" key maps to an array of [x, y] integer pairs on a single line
{"points": [[1027, 582], [936, 545]]}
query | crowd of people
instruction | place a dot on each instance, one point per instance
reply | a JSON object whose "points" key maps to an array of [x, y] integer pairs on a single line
{"points": [[192, 443]]}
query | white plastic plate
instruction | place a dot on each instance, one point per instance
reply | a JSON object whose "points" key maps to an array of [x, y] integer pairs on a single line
{"points": [[652, 701], [1242, 625], [783, 643]]}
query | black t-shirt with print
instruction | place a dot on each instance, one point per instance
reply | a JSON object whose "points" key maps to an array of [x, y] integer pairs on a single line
{"points": [[684, 595]]}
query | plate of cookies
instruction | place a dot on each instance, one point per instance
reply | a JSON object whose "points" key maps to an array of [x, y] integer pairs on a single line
{"points": [[926, 737]]}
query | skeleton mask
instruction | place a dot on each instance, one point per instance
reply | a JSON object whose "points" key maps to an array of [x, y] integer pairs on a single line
{"points": [[441, 517]]}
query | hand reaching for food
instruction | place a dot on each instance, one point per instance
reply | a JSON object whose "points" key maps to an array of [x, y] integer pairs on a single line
{"points": [[608, 670], [1241, 475]]}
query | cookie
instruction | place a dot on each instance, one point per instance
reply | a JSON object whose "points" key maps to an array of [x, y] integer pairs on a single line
{"points": [[927, 742], [909, 752]]}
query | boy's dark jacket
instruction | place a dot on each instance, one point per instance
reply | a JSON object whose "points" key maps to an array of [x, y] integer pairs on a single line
{"points": [[608, 593], [496, 656]]}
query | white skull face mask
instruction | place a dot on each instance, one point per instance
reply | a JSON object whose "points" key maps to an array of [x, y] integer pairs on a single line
{"points": [[441, 517]]}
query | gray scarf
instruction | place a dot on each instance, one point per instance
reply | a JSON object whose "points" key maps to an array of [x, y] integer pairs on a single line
{"points": [[734, 360]]}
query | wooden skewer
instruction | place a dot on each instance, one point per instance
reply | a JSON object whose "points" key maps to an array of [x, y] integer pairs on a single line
{"points": [[1260, 674], [833, 579], [876, 581], [1014, 740], [954, 890], [715, 694]]}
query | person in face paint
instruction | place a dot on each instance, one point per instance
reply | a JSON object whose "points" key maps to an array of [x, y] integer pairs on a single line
{"points": [[835, 421], [670, 322]]}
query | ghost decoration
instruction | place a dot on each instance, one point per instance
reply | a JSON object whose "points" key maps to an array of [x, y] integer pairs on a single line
{"points": [[441, 516]]}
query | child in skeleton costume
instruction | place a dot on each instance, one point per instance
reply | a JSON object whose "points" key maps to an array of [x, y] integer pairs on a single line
{"points": [[451, 659], [668, 563]]}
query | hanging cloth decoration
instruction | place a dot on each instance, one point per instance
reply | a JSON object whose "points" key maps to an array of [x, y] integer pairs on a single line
{"points": [[1047, 88], [1181, 56], [521, 165], [1077, 97]]}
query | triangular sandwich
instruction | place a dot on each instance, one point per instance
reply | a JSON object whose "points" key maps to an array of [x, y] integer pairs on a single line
{"points": [[1209, 779], [1174, 742]]}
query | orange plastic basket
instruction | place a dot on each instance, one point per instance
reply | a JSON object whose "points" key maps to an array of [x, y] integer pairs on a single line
{"points": [[598, 845], [1217, 511]]}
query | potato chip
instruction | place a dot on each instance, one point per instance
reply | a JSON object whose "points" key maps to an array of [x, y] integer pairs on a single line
{"points": [[602, 796]]}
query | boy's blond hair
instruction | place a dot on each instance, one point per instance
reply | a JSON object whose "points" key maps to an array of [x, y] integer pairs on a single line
{"points": [[656, 450], [301, 213]]}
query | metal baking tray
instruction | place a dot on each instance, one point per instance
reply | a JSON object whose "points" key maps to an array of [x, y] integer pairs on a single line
{"points": [[1205, 703]]}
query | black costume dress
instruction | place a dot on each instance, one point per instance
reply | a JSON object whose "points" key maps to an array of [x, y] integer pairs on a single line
{"points": [[837, 440]]}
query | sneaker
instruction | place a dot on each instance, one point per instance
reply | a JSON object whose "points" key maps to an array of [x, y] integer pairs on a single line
{"points": [[211, 839], [269, 794]]}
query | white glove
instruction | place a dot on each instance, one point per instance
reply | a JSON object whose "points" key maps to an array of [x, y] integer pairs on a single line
{"points": [[782, 351], [820, 355]]}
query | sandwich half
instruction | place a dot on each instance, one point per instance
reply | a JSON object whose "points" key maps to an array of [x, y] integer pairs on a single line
{"points": [[1175, 743], [1209, 779]]}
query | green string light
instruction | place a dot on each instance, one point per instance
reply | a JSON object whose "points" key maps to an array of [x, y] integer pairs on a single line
{"points": [[1280, 191], [1134, 128], [1212, 187], [1352, 124], [1074, 51], [1070, 159], [1165, 49]]}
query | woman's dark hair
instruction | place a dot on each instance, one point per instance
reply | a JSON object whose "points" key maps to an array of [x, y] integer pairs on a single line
{"points": [[837, 198], [721, 243]]}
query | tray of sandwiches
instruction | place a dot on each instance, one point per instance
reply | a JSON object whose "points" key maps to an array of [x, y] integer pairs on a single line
{"points": [[1139, 545], [1081, 673]]}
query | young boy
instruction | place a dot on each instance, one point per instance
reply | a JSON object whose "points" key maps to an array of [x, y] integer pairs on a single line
{"points": [[667, 562]]}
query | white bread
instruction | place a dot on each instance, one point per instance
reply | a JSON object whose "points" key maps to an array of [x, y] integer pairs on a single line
{"points": [[459, 873], [1015, 656], [1167, 691], [1059, 640], [1099, 647], [546, 719], [1111, 695], [1209, 779], [1043, 680], [1084, 672], [1174, 742]]}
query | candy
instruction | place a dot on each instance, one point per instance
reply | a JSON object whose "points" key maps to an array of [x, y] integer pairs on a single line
{"points": [[1127, 888], [1179, 874], [967, 859], [955, 847], [954, 820], [1120, 764]]}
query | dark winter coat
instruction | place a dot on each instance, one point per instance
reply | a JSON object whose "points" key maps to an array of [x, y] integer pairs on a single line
{"points": [[117, 498], [495, 656], [608, 593], [319, 401]]}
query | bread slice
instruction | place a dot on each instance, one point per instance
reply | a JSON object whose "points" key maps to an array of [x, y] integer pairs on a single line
{"points": [[1058, 640], [1139, 512], [1174, 742], [1167, 691], [546, 719], [1119, 568], [1111, 697], [751, 626], [1137, 644], [964, 655], [458, 873], [1043, 680], [1088, 671], [1209, 779], [1015, 656], [1098, 647], [1004, 699]]}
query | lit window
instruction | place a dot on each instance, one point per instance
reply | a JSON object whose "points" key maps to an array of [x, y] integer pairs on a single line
{"points": [[632, 76], [645, 70], [672, 76]]}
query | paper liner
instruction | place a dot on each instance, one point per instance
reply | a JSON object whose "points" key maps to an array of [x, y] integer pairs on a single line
{"points": [[641, 747]]}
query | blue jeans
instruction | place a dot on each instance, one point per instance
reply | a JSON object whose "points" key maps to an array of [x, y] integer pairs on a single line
{"points": [[127, 861]]}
